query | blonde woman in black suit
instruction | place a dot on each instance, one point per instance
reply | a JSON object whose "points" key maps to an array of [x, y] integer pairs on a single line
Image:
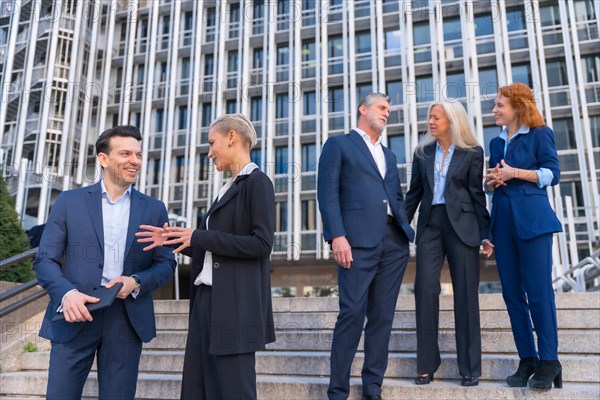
{"points": [[231, 314], [447, 175]]}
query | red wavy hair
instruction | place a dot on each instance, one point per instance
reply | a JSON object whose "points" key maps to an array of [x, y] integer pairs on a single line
{"points": [[521, 99]]}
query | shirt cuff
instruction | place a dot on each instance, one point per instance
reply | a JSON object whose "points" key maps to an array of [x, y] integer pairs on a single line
{"points": [[60, 308], [136, 290], [545, 177]]}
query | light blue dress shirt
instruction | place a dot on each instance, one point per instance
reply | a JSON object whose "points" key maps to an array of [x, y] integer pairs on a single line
{"points": [[115, 221], [439, 173], [544, 174]]}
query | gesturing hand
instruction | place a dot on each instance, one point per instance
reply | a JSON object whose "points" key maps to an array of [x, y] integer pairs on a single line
{"points": [[153, 235], [493, 177], [178, 235]]}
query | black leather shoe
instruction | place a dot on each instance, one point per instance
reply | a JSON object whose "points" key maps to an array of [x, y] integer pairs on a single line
{"points": [[527, 367], [373, 397], [424, 380], [469, 381], [548, 372]]}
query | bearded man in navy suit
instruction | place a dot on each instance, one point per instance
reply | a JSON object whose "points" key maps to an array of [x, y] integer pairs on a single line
{"points": [[89, 242], [365, 222]]}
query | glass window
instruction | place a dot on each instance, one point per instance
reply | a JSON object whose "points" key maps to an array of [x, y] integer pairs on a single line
{"points": [[185, 68], [211, 16], [188, 21], [490, 132], [309, 160], [421, 34], [204, 167], [515, 19], [232, 61], [550, 15], [362, 90], [182, 123], [336, 99], [584, 10], [281, 216], [488, 82], [308, 50], [452, 29], [595, 131], [392, 39], [160, 114], [564, 134], [282, 106], [256, 156], [231, 106], [522, 73], [425, 92], [336, 47], [257, 60], [179, 167], [557, 73], [309, 215], [206, 114], [455, 86], [208, 64], [591, 68], [309, 103], [484, 25], [157, 172], [259, 9], [394, 90], [234, 12], [256, 108], [283, 54], [396, 144], [363, 42], [281, 159]]}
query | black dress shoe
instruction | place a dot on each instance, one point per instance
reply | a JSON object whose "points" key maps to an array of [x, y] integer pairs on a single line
{"points": [[469, 381], [373, 397], [424, 380]]}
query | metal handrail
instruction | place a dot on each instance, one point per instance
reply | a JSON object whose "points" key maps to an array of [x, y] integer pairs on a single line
{"points": [[21, 288], [575, 278]]}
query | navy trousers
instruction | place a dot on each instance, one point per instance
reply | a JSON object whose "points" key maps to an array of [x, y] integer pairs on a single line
{"points": [[525, 269], [368, 288], [112, 339]]}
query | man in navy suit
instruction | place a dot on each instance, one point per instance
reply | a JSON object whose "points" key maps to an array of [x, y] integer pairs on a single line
{"points": [[89, 242], [364, 220]]}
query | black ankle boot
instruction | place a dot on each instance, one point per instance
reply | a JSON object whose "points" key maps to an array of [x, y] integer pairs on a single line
{"points": [[547, 372], [527, 367]]}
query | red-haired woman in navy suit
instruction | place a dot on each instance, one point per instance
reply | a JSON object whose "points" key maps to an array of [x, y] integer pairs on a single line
{"points": [[523, 162]]}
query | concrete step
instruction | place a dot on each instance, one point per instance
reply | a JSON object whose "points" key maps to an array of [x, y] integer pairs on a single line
{"points": [[316, 363], [152, 386], [570, 341], [564, 301], [404, 320]]}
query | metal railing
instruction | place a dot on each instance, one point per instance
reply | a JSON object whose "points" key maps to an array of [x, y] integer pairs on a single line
{"points": [[21, 288], [576, 278]]}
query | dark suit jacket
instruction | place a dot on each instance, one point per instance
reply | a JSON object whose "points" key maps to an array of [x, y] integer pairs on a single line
{"points": [[465, 200], [71, 256], [531, 211], [240, 238], [352, 194]]}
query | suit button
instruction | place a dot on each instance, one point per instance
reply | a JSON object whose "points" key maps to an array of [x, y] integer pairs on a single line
{"points": [[385, 202], [216, 265]]}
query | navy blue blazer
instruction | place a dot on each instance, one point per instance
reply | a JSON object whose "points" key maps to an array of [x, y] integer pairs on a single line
{"points": [[531, 211], [352, 194], [71, 256]]}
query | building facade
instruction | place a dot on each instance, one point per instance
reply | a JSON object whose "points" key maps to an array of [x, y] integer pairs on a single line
{"points": [[71, 69]]}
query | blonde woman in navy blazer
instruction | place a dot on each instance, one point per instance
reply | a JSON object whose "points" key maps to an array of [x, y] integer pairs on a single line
{"points": [[447, 172], [230, 302], [523, 162]]}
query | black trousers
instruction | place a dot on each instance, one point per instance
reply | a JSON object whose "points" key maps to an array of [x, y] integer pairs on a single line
{"points": [[208, 376], [439, 240]]}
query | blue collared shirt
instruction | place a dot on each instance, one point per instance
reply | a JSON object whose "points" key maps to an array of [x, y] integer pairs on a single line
{"points": [[439, 173], [115, 221], [545, 176]]}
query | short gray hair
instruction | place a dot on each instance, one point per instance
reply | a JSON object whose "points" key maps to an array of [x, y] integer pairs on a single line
{"points": [[369, 99], [236, 122]]}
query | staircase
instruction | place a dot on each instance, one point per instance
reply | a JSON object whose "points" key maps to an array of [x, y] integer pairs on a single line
{"points": [[297, 365]]}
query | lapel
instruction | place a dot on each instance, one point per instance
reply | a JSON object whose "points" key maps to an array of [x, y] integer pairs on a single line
{"points": [[93, 201], [430, 163], [136, 211], [389, 163], [457, 158], [229, 194], [362, 146]]}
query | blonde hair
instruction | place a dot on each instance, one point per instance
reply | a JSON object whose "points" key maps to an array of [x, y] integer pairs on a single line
{"points": [[460, 130], [236, 122]]}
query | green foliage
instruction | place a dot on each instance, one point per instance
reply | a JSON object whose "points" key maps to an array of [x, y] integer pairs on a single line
{"points": [[13, 239], [30, 347]]}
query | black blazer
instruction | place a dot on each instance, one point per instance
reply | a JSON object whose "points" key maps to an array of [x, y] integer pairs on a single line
{"points": [[465, 200], [242, 226]]}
